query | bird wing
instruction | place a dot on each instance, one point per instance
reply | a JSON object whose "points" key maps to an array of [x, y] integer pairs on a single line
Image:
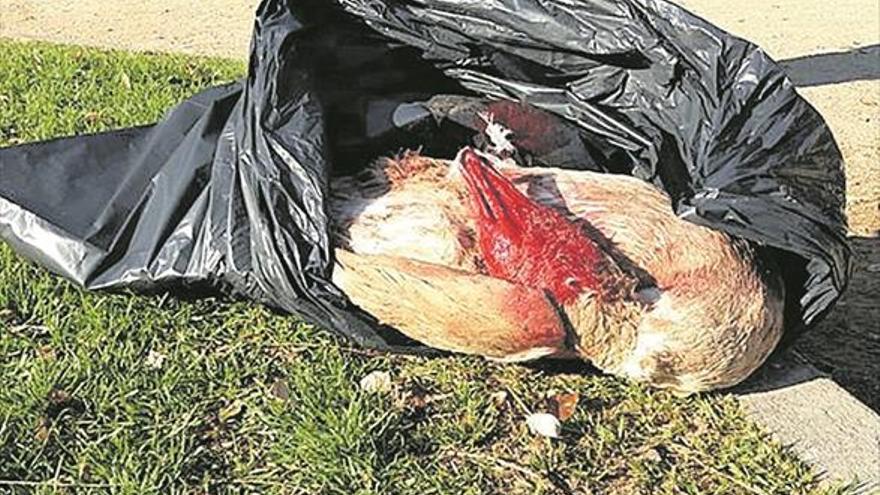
{"points": [[452, 309]]}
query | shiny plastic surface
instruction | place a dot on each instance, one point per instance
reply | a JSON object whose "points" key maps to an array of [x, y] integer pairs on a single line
{"points": [[227, 192]]}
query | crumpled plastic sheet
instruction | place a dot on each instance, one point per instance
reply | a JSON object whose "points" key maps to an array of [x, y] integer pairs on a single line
{"points": [[227, 193]]}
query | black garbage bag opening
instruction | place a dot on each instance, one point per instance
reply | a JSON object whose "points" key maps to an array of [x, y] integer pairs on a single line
{"points": [[227, 193]]}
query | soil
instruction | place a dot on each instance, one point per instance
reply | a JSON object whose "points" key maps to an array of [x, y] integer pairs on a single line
{"points": [[831, 51]]}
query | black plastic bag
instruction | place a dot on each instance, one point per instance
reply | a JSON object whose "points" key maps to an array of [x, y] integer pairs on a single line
{"points": [[227, 192]]}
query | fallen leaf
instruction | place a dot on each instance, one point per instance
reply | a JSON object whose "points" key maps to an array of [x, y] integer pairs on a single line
{"points": [[543, 424], [280, 389], [125, 80], [498, 398], [84, 470], [564, 405], [92, 117], [417, 399], [58, 397], [42, 433], [7, 315], [874, 268], [46, 352], [376, 381], [230, 411]]}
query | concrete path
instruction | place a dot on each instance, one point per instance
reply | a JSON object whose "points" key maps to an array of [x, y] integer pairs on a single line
{"points": [[825, 425], [830, 49], [219, 27]]}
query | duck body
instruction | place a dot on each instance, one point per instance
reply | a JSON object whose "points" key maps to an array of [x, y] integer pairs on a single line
{"points": [[598, 267]]}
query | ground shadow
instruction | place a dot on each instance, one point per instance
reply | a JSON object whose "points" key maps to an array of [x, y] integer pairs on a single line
{"points": [[846, 344], [783, 369], [858, 64]]}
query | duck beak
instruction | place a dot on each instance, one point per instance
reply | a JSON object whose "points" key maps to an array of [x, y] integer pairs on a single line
{"points": [[513, 228], [497, 199]]}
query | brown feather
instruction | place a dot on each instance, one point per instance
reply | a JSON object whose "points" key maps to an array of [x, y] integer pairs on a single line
{"points": [[452, 309]]}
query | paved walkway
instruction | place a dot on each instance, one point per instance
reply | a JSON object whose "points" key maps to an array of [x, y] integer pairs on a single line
{"points": [[217, 27]]}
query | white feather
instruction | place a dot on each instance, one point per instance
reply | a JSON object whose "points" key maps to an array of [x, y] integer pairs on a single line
{"points": [[543, 424]]}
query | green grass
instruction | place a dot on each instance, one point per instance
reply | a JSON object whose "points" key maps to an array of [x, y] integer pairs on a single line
{"points": [[250, 401]]}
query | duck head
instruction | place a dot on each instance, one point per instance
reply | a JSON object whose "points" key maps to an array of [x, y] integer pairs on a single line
{"points": [[530, 244]]}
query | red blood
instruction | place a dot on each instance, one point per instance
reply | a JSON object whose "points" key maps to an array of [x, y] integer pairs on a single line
{"points": [[528, 243]]}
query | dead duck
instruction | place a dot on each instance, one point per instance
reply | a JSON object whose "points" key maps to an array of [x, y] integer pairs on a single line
{"points": [[477, 255]]}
